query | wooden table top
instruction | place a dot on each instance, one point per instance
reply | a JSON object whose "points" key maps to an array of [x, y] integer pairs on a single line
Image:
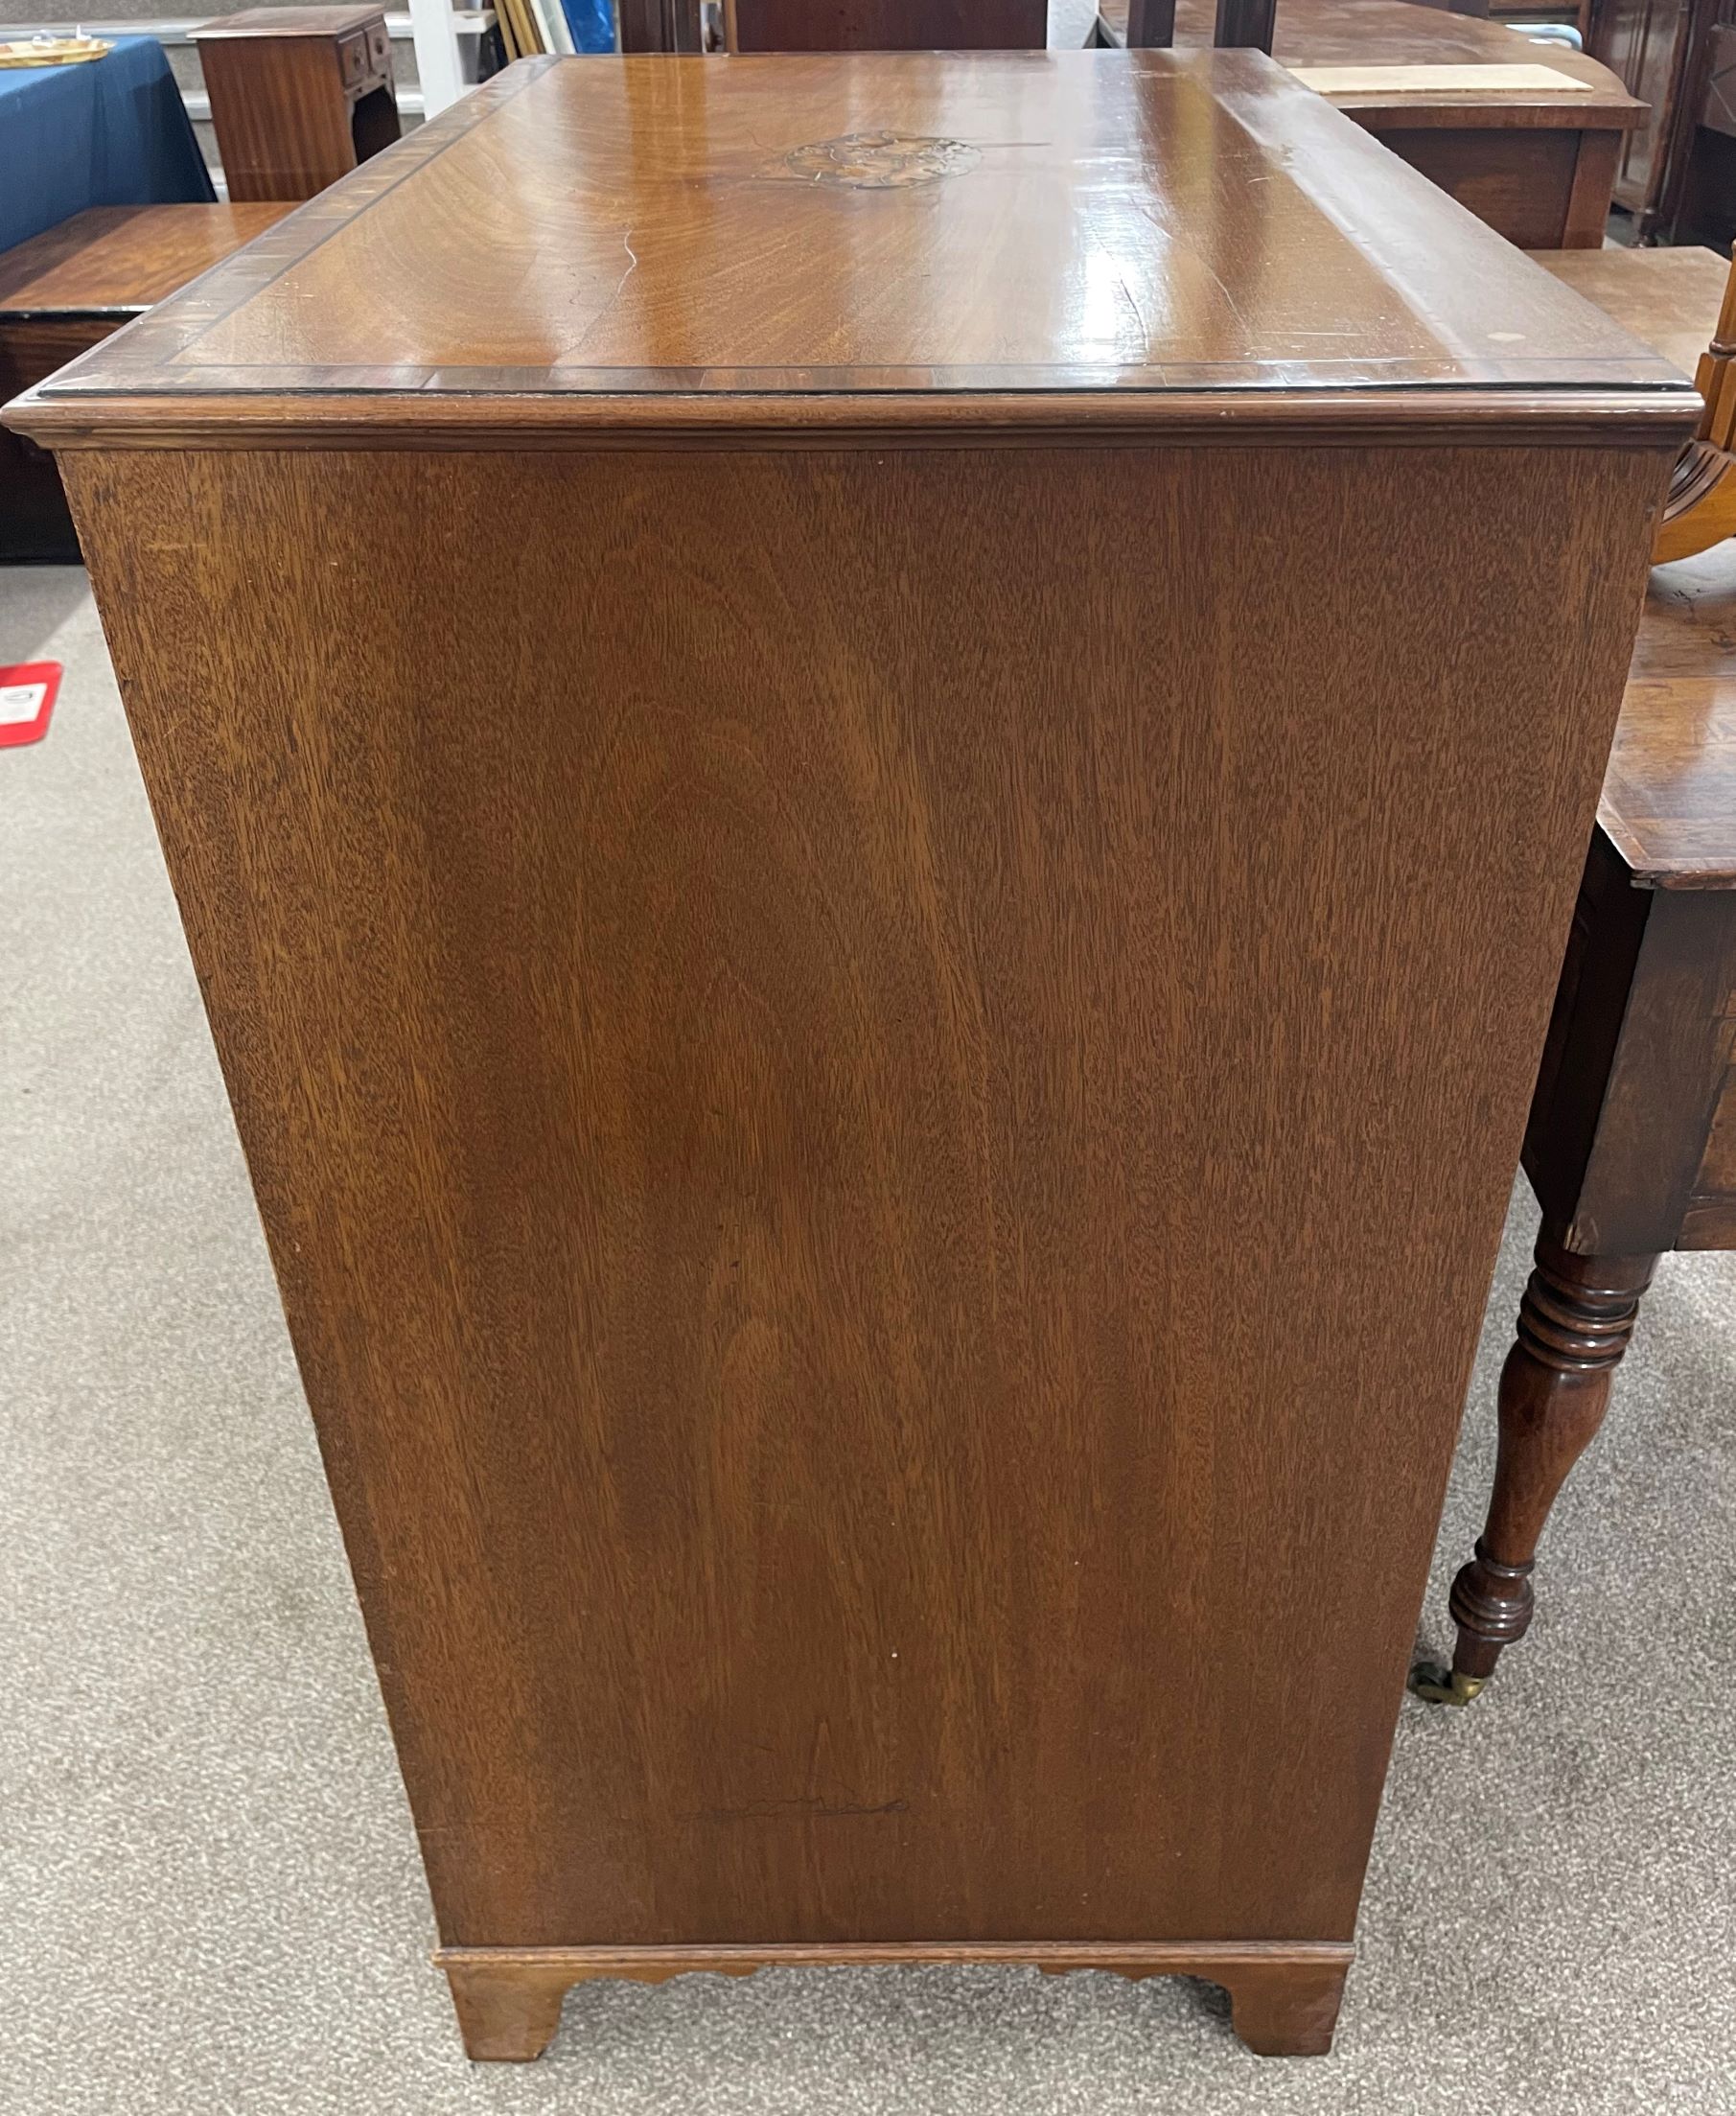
{"points": [[119, 260], [661, 240], [291, 22], [1392, 32], [1669, 803]]}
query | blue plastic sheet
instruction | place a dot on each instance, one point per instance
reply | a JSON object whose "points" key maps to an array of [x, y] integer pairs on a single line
{"points": [[112, 132], [591, 23]]}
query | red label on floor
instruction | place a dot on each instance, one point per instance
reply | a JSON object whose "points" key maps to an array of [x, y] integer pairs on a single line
{"points": [[27, 698]]}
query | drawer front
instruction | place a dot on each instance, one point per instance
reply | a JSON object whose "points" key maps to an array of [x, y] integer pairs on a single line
{"points": [[353, 59], [379, 50]]}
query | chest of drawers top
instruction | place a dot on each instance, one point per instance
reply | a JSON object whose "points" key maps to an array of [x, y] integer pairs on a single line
{"points": [[983, 240]]}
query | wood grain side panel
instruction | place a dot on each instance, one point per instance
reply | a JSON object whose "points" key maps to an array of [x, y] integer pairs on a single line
{"points": [[281, 113], [842, 1145]]}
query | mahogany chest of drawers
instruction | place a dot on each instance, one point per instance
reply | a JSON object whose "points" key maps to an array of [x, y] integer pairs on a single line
{"points": [[883, 1089]]}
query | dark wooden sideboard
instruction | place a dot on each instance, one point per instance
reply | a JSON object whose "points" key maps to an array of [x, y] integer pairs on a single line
{"points": [[1658, 47], [844, 1093], [660, 25], [1537, 166], [886, 25], [69, 289], [1631, 1145]]}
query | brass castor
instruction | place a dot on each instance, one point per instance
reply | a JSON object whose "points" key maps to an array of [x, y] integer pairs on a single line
{"points": [[1439, 1686]]}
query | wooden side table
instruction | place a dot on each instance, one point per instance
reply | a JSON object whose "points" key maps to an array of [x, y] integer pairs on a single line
{"points": [[1631, 1145], [64, 292], [299, 96]]}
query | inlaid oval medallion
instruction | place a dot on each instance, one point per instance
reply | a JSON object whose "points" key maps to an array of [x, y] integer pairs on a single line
{"points": [[879, 161]]}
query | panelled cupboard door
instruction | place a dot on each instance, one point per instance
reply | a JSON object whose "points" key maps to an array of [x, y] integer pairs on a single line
{"points": [[882, 1086]]}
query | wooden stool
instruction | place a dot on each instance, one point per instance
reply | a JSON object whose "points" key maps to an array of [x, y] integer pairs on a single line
{"points": [[64, 292], [299, 96], [1631, 1142]]}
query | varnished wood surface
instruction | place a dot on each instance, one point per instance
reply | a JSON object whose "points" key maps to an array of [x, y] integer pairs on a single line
{"points": [[794, 1150], [1370, 417], [1394, 32], [1670, 298], [115, 260], [612, 234]]}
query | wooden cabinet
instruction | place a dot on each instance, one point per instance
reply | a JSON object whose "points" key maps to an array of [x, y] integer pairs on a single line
{"points": [[299, 96], [660, 25], [69, 289], [1651, 44], [882, 1140], [886, 25], [1631, 1145], [1538, 164], [1678, 172]]}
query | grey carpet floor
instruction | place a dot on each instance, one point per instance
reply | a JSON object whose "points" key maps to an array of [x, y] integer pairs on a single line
{"points": [[210, 1898]]}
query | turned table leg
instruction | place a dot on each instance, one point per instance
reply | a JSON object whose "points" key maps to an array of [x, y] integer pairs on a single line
{"points": [[1575, 1320]]}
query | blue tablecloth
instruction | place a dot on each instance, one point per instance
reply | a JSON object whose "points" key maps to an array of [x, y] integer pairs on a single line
{"points": [[114, 132]]}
